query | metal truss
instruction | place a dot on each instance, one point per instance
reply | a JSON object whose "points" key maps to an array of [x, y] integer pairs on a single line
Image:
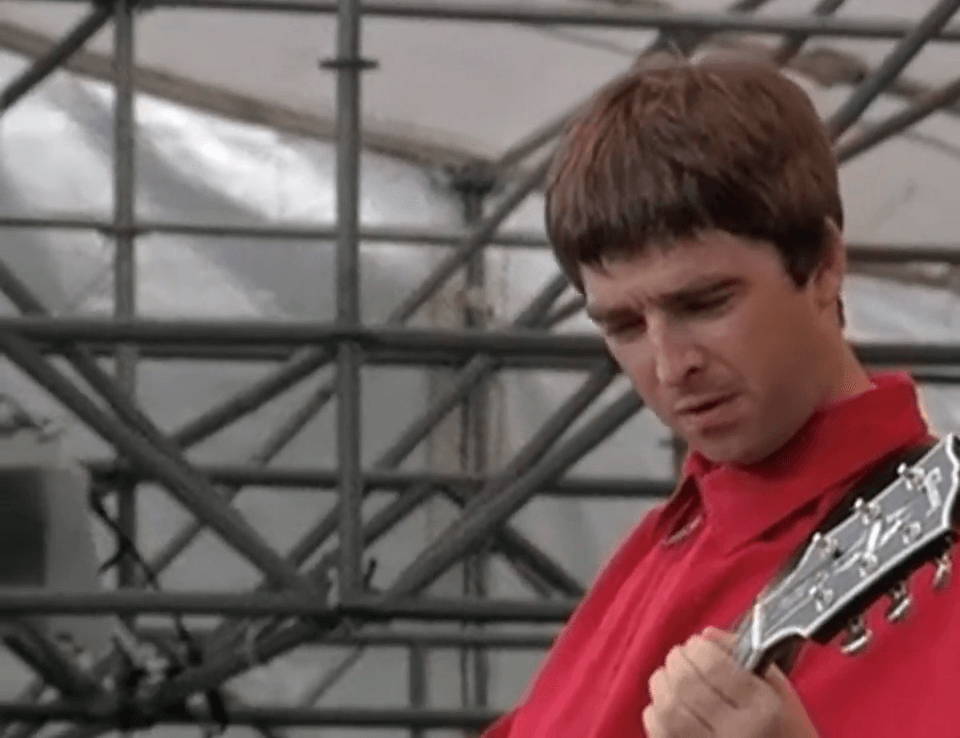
{"points": [[309, 600]]}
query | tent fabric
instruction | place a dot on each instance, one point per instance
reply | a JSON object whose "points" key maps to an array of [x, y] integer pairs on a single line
{"points": [[443, 94]]}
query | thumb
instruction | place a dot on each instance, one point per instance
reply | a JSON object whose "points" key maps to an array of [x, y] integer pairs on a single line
{"points": [[795, 715], [795, 722], [780, 683]]}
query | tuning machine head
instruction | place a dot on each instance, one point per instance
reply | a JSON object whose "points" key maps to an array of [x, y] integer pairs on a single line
{"points": [[826, 545], [941, 576], [900, 603], [858, 638], [868, 511], [911, 475]]}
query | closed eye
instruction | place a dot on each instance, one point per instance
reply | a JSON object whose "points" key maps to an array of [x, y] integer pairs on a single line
{"points": [[624, 329], [703, 305]]}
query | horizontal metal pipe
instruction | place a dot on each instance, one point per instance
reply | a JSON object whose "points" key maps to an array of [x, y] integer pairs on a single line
{"points": [[463, 344], [190, 490], [354, 717], [864, 253], [463, 609], [314, 357], [37, 601], [541, 444], [501, 498], [392, 637], [259, 332], [531, 362], [324, 235], [879, 28], [391, 479]]}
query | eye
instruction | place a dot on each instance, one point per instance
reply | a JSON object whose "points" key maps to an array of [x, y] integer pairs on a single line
{"points": [[706, 304], [625, 328]]}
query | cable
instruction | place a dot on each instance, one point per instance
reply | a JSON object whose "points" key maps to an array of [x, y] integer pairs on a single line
{"points": [[192, 656]]}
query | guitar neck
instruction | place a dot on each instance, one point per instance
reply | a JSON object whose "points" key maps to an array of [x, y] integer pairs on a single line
{"points": [[745, 653]]}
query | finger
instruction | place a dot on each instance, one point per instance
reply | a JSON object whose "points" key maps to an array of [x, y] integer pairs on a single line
{"points": [[737, 686], [726, 640], [652, 725], [780, 684], [672, 724], [778, 680], [792, 706], [706, 703], [669, 711]]}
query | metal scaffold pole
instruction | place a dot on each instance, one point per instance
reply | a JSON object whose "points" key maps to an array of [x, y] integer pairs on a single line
{"points": [[348, 66], [290, 602], [125, 258]]}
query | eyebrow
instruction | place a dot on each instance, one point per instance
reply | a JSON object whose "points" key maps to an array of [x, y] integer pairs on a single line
{"points": [[690, 293]]}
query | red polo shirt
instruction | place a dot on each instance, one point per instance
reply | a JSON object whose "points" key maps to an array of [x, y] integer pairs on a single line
{"points": [[702, 557]]}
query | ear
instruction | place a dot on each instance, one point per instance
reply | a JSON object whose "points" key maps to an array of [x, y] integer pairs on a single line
{"points": [[827, 279]]}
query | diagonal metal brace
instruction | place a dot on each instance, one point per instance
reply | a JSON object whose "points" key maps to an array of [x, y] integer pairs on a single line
{"points": [[45, 65], [193, 492]]}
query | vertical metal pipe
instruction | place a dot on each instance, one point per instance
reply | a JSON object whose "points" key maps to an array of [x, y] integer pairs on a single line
{"points": [[474, 448], [348, 68], [421, 573], [472, 374], [474, 242], [124, 275], [417, 684]]}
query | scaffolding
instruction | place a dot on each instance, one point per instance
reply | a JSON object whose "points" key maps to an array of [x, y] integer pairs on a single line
{"points": [[329, 601]]}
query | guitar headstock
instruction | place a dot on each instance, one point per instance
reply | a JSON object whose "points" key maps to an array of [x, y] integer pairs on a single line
{"points": [[867, 555]]}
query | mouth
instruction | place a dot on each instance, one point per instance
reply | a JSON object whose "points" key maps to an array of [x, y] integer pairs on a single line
{"points": [[705, 406], [708, 416]]}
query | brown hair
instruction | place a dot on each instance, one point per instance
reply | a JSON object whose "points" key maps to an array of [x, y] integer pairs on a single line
{"points": [[680, 147]]}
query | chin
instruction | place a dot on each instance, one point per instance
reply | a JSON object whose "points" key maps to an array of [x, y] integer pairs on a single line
{"points": [[736, 451]]}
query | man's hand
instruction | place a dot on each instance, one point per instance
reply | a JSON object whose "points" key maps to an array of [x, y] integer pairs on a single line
{"points": [[701, 691]]}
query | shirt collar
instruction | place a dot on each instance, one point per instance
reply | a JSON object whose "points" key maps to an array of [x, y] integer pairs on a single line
{"points": [[837, 444]]}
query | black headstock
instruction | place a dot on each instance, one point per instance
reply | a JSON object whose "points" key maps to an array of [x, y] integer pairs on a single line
{"points": [[866, 556]]}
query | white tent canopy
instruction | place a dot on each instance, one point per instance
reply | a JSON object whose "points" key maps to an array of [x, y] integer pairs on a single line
{"points": [[474, 87], [233, 127]]}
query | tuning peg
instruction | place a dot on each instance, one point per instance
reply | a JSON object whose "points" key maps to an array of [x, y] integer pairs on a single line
{"points": [[912, 475], [826, 545], [900, 603], [858, 638], [868, 511], [944, 569]]}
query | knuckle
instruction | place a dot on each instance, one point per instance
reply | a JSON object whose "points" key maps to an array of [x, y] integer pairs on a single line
{"points": [[662, 697], [657, 683], [660, 692], [708, 658], [675, 661], [648, 717]]}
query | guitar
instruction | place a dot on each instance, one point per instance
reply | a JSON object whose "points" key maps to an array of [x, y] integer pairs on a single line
{"points": [[869, 554]]}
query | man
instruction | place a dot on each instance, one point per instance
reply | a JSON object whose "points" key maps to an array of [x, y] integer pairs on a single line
{"points": [[696, 206]]}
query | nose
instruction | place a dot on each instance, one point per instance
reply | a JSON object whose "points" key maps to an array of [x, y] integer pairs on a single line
{"points": [[675, 355]]}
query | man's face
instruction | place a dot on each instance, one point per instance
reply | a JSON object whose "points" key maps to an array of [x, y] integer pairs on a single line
{"points": [[719, 341]]}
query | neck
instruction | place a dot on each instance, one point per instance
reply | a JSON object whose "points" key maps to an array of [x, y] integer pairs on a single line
{"points": [[846, 377]]}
